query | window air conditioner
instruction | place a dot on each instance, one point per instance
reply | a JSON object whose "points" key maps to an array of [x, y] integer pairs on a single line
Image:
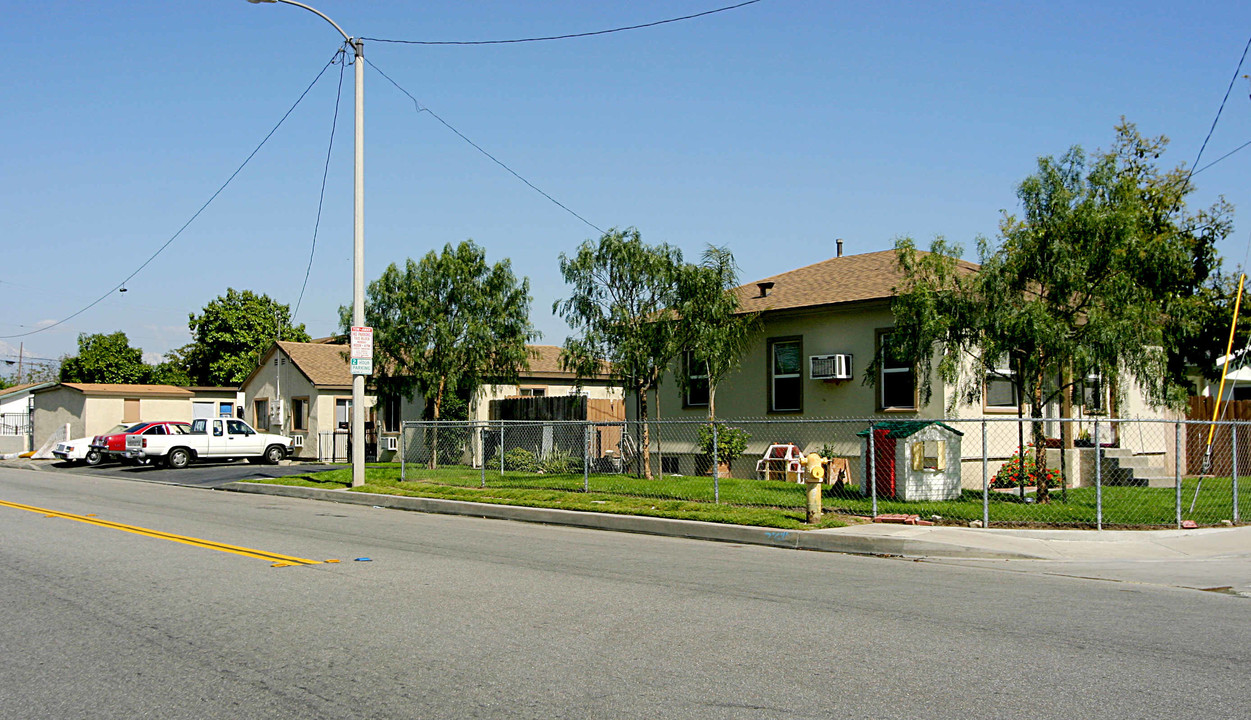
{"points": [[829, 367], [297, 441], [392, 442]]}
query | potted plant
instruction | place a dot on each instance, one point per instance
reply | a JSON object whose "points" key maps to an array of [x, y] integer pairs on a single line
{"points": [[731, 442]]}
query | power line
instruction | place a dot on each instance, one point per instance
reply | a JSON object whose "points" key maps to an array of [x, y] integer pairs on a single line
{"points": [[1231, 152], [421, 108], [1219, 110], [568, 36], [321, 198], [161, 249]]}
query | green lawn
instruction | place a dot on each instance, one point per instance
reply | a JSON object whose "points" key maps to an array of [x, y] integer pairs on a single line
{"points": [[777, 504]]}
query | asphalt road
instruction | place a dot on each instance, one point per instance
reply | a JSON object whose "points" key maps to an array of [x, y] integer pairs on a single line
{"points": [[200, 474], [457, 617]]}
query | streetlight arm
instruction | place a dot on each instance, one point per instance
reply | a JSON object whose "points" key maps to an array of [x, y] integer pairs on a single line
{"points": [[310, 9]]}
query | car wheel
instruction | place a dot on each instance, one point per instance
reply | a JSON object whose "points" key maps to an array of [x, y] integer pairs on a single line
{"points": [[274, 454], [93, 458], [179, 458]]}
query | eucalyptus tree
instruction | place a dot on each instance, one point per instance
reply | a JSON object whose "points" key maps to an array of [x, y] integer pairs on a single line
{"points": [[622, 292], [447, 324], [1102, 274]]}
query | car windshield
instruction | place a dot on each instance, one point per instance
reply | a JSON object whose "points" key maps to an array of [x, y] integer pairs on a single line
{"points": [[179, 429], [115, 429], [136, 428]]}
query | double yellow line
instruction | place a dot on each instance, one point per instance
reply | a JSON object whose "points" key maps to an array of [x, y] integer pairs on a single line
{"points": [[275, 558]]}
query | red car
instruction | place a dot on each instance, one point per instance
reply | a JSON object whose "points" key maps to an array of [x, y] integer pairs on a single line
{"points": [[111, 447]]}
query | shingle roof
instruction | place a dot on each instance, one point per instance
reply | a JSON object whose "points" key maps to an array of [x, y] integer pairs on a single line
{"points": [[906, 428], [545, 362], [324, 364], [851, 278], [121, 389]]}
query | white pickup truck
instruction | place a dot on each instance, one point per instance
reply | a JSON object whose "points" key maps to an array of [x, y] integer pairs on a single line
{"points": [[215, 439]]}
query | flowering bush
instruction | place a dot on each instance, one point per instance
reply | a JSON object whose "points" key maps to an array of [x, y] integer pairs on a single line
{"points": [[1010, 474]]}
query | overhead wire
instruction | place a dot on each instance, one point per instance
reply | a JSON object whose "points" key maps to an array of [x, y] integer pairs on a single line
{"points": [[321, 198], [420, 108], [1216, 119], [567, 36], [187, 224]]}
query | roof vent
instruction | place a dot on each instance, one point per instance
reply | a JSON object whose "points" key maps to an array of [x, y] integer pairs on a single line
{"points": [[765, 288], [839, 241]]}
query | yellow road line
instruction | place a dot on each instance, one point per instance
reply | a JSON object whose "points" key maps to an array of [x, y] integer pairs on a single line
{"points": [[278, 560]]}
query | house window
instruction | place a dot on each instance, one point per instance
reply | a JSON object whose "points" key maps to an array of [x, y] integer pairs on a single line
{"points": [[260, 414], [130, 410], [299, 413], [391, 415], [343, 413], [1094, 395], [532, 392], [226, 410], [696, 380], [897, 389], [786, 379], [1001, 390]]}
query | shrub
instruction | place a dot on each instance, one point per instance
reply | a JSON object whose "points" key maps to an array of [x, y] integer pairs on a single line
{"points": [[560, 462], [731, 442], [520, 460], [1010, 474]]}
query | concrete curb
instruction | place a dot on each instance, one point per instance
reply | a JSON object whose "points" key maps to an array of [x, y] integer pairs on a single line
{"points": [[822, 541]]}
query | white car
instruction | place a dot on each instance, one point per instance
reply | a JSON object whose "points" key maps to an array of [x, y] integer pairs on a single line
{"points": [[80, 451]]}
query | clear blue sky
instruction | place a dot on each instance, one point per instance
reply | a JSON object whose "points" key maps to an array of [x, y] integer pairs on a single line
{"points": [[772, 129]]}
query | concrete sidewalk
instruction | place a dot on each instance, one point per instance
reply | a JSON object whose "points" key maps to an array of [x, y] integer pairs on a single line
{"points": [[874, 539]]}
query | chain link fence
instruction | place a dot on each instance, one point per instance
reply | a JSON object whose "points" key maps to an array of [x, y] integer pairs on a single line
{"points": [[1096, 473]]}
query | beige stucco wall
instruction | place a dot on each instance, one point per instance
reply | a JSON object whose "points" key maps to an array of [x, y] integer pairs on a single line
{"points": [[88, 415]]}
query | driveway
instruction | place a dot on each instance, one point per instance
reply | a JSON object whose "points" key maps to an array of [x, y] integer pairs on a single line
{"points": [[200, 474]]}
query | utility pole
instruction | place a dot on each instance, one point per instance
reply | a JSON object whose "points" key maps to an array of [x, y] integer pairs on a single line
{"points": [[358, 244]]}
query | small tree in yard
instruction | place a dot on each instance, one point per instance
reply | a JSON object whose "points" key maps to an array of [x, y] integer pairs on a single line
{"points": [[445, 324], [711, 327], [1101, 274], [622, 290]]}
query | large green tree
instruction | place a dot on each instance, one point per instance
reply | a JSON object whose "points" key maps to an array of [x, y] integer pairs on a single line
{"points": [[621, 288], [229, 336], [711, 327], [105, 358], [1102, 273], [446, 324]]}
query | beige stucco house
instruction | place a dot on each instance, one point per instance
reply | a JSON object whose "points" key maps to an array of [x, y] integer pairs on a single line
{"points": [[821, 325], [546, 378], [304, 390], [92, 408]]}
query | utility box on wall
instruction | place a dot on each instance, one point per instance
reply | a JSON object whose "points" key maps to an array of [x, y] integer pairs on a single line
{"points": [[913, 460]]}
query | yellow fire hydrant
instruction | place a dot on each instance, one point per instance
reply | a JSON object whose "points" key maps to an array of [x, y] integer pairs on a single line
{"points": [[814, 475]]}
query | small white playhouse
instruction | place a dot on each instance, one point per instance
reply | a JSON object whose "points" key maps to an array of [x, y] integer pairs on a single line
{"points": [[913, 460]]}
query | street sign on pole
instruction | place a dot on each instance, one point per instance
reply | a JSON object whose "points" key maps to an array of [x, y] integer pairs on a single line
{"points": [[362, 351]]}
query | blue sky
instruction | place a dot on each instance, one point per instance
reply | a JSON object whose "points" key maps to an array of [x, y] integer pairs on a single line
{"points": [[772, 129]]}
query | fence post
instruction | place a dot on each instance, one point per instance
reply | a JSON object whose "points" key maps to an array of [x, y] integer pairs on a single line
{"points": [[985, 480], [1098, 479], [1177, 468], [501, 448], [586, 457], [872, 479], [716, 468], [482, 449], [402, 453], [1234, 448]]}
